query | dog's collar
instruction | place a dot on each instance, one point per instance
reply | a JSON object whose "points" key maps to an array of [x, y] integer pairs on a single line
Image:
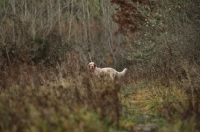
{"points": [[92, 70]]}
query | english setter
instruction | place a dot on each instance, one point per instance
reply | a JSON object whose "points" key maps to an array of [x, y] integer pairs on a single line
{"points": [[103, 71]]}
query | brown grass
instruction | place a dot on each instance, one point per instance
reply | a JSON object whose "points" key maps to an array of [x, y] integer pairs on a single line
{"points": [[36, 98]]}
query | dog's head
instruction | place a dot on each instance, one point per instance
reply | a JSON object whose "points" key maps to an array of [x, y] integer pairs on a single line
{"points": [[92, 66]]}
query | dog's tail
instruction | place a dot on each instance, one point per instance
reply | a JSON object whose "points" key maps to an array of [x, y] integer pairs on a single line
{"points": [[122, 73]]}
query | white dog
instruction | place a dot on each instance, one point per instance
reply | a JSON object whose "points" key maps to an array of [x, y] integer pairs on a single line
{"points": [[103, 71]]}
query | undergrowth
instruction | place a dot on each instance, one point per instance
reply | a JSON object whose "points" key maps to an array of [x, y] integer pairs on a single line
{"points": [[30, 101], [150, 107], [46, 102]]}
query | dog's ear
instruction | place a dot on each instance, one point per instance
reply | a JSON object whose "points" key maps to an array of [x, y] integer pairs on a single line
{"points": [[88, 65], [95, 65]]}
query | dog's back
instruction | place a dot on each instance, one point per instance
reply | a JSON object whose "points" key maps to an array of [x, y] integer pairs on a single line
{"points": [[106, 71]]}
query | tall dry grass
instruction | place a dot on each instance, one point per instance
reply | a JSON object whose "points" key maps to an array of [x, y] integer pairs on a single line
{"points": [[38, 98], [34, 98]]}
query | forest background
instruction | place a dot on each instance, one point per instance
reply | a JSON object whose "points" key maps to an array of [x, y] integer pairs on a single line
{"points": [[45, 46]]}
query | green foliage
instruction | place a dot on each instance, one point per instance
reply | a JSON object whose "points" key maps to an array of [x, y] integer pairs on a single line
{"points": [[95, 7], [38, 43], [180, 126], [3, 4], [45, 109], [145, 103], [141, 52]]}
